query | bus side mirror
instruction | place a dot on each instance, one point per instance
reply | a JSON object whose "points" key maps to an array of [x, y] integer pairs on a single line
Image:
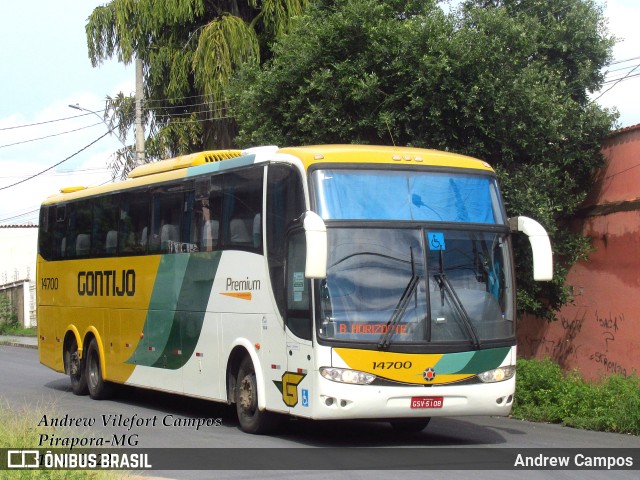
{"points": [[316, 237], [540, 246]]}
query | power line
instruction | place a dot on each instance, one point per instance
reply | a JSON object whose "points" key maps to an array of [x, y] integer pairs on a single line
{"points": [[617, 82], [609, 72], [59, 163], [49, 136], [18, 216], [44, 122], [616, 62], [67, 172], [622, 79]]}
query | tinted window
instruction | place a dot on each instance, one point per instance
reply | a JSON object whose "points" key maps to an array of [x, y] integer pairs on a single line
{"points": [[285, 203], [106, 211], [134, 222], [242, 207], [166, 221]]}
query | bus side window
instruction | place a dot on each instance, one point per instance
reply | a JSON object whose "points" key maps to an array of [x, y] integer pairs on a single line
{"points": [[105, 226], [84, 227], [166, 218], [206, 213], [79, 227], [46, 235], [60, 231], [134, 222], [242, 203]]}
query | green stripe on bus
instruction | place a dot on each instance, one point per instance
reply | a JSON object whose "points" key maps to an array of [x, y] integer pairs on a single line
{"points": [[190, 310], [176, 310], [451, 363], [472, 362]]}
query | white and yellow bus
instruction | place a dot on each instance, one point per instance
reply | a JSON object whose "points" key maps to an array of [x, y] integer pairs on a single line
{"points": [[325, 282]]}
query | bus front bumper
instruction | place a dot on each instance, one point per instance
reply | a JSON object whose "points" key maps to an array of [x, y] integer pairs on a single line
{"points": [[344, 401]]}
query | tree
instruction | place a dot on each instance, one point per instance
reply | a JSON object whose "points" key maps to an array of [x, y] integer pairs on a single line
{"points": [[506, 81], [190, 49], [8, 315]]}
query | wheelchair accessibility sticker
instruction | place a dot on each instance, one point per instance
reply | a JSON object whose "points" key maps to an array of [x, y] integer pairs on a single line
{"points": [[436, 240]]}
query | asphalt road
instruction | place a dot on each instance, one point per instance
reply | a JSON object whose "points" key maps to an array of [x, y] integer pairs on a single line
{"points": [[147, 419]]}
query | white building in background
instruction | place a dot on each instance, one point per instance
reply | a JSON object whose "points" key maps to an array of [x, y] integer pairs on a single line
{"points": [[18, 249]]}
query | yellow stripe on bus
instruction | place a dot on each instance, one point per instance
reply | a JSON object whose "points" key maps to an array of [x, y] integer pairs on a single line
{"points": [[239, 295]]}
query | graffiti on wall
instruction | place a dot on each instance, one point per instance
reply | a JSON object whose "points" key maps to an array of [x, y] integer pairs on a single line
{"points": [[610, 326], [593, 342]]}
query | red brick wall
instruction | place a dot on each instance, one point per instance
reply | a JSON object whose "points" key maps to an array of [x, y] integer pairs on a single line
{"points": [[599, 333]]}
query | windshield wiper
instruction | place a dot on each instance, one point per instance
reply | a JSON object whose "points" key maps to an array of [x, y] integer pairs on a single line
{"points": [[401, 307], [445, 286]]}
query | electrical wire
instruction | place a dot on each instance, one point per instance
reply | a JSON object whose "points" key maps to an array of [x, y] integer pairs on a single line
{"points": [[59, 163], [66, 173], [20, 215], [616, 62], [48, 136], [44, 123], [617, 82]]}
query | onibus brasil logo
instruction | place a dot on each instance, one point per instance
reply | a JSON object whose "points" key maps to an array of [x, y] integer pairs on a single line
{"points": [[35, 459]]}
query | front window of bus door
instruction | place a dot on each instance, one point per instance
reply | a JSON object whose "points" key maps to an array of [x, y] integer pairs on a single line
{"points": [[285, 204], [298, 287]]}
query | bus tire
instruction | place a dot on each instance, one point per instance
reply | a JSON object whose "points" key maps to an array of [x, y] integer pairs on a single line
{"points": [[250, 417], [410, 425], [99, 389], [75, 366]]}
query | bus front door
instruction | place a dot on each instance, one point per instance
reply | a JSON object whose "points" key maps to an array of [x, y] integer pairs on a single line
{"points": [[297, 381]]}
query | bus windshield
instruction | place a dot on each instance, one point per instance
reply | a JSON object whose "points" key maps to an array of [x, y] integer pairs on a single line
{"points": [[389, 286], [440, 273], [343, 194]]}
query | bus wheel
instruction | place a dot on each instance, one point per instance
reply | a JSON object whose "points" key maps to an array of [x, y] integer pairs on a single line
{"points": [[410, 425], [76, 369], [98, 388], [251, 419]]}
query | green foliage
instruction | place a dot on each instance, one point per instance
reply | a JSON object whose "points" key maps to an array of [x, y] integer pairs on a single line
{"points": [[545, 394], [506, 81], [190, 49], [18, 429], [19, 330], [8, 315]]}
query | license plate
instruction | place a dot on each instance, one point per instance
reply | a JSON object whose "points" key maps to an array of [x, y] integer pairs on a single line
{"points": [[426, 402]]}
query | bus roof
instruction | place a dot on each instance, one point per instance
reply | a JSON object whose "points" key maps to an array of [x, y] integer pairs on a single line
{"points": [[196, 163], [314, 154]]}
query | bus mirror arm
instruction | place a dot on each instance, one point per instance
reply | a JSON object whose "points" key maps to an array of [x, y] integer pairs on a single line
{"points": [[540, 246], [316, 237]]}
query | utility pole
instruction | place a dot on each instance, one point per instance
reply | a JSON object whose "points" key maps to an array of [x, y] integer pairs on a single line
{"points": [[139, 126]]}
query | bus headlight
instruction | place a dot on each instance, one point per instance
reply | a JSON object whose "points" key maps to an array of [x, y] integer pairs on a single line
{"points": [[499, 374], [344, 375]]}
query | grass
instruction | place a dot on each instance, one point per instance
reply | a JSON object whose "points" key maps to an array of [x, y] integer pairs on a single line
{"points": [[18, 429], [544, 393], [18, 330]]}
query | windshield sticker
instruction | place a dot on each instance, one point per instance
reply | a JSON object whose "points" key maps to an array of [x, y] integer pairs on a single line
{"points": [[298, 286], [436, 240]]}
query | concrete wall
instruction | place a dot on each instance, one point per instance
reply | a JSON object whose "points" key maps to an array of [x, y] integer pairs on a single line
{"points": [[599, 333], [21, 295]]}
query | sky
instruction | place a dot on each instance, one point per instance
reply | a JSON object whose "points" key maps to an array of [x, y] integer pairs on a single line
{"points": [[46, 68]]}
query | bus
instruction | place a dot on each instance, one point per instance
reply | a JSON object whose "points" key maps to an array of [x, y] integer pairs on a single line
{"points": [[323, 282]]}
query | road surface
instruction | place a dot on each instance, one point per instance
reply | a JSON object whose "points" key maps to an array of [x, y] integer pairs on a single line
{"points": [[144, 419]]}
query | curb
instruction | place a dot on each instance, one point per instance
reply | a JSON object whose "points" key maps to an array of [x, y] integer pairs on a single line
{"points": [[16, 343]]}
